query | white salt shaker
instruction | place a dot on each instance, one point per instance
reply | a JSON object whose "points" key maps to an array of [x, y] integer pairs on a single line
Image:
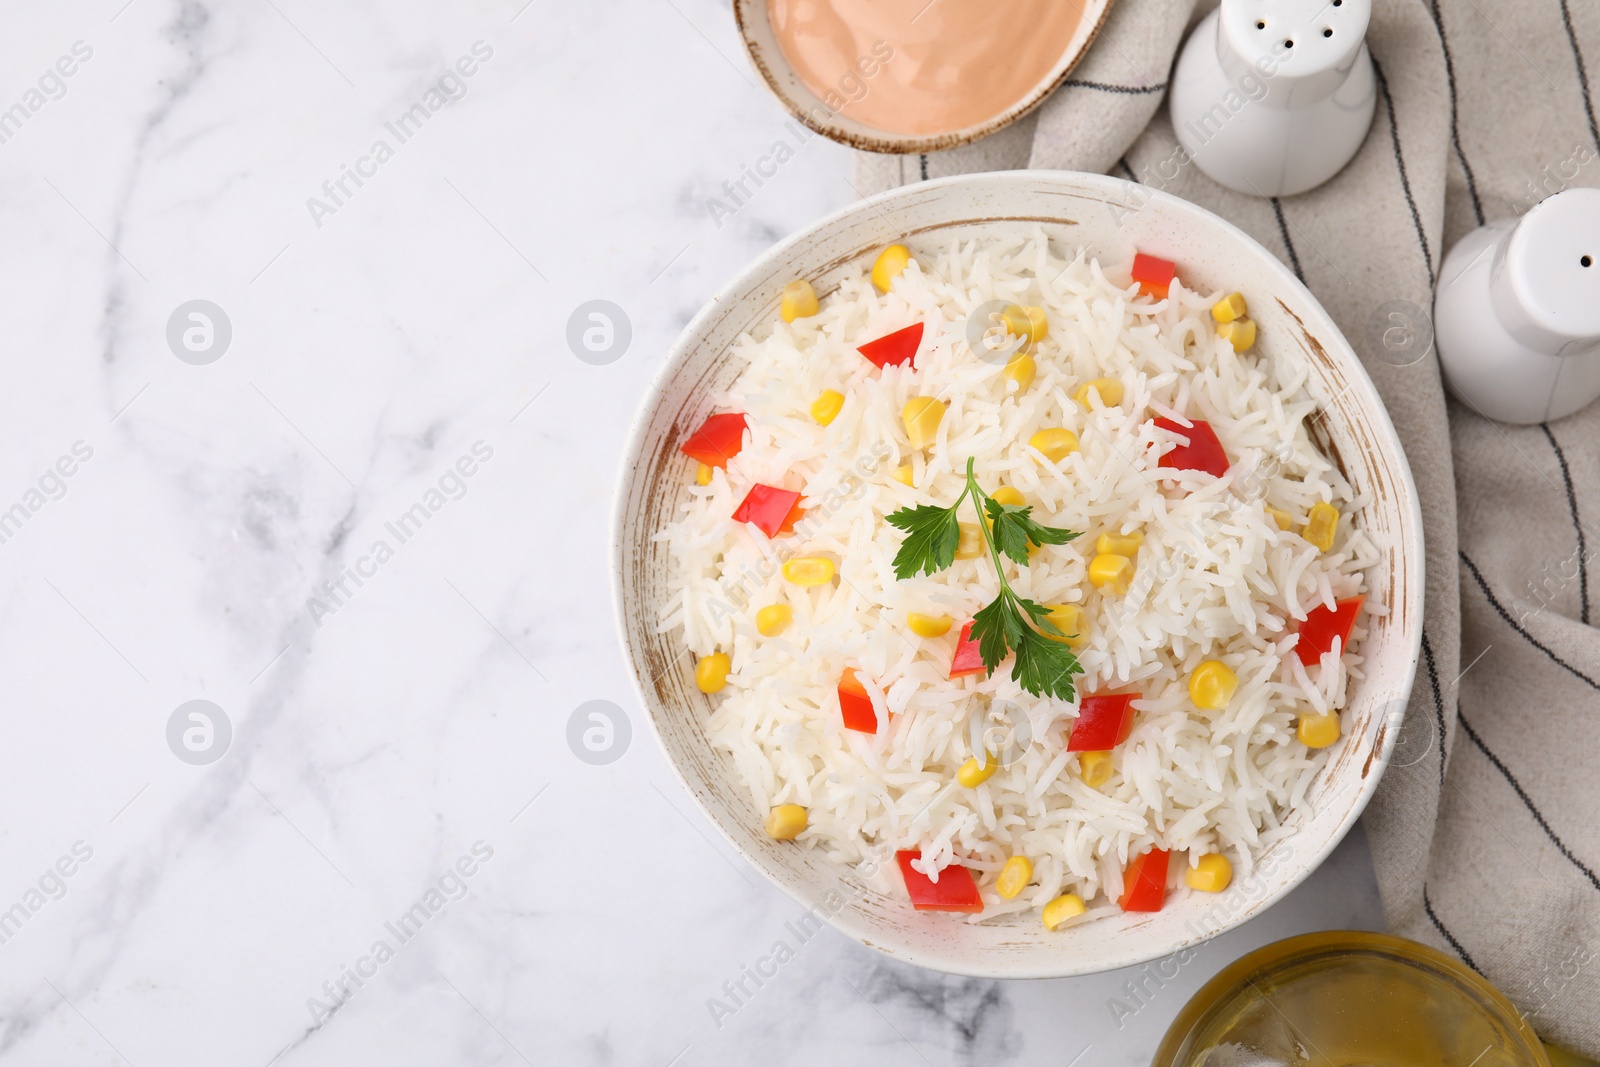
{"points": [[1517, 314], [1274, 97]]}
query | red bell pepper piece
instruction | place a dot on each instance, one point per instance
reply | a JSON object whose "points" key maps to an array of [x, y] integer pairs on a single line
{"points": [[1203, 452], [796, 513], [893, 349], [1144, 883], [769, 508], [718, 440], [1324, 624], [855, 707], [968, 659], [1153, 274], [956, 889], [1103, 722]]}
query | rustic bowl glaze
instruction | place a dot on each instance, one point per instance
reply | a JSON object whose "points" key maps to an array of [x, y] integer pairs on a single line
{"points": [[755, 29], [1111, 217]]}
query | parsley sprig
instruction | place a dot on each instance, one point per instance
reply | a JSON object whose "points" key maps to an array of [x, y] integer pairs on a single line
{"points": [[1009, 622]]}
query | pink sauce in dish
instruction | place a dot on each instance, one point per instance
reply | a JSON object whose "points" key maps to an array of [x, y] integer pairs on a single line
{"points": [[919, 67]]}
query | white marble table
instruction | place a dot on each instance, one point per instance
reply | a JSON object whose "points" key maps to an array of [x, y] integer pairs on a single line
{"points": [[241, 526]]}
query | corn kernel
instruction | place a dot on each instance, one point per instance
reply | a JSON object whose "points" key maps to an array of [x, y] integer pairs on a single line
{"points": [[971, 544], [702, 474], [799, 301], [773, 619], [1108, 389], [1119, 544], [1240, 333], [786, 821], [1021, 370], [1068, 618], [1228, 308], [1111, 573], [1029, 323], [1038, 322], [1061, 909], [1281, 517], [1211, 874], [1318, 731], [1014, 877], [711, 673], [1015, 316], [1056, 444], [929, 625], [808, 570], [1322, 525], [902, 474], [922, 415], [890, 262], [973, 774], [826, 407], [1094, 768], [1212, 685], [1008, 494]]}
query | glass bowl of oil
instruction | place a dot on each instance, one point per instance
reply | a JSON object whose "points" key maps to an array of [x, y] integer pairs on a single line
{"points": [[1349, 999]]}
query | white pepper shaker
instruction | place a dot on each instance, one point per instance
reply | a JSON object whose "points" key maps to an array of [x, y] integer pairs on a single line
{"points": [[1517, 314], [1274, 97]]}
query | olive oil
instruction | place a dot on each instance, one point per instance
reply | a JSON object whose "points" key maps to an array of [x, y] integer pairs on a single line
{"points": [[1349, 1000]]}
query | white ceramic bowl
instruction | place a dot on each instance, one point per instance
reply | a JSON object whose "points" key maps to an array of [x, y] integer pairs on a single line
{"points": [[755, 29], [1111, 217]]}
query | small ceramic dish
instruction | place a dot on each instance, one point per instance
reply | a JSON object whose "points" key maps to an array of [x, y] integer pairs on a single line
{"points": [[824, 117], [1111, 218]]}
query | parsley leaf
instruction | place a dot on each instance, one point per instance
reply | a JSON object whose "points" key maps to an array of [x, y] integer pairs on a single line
{"points": [[1040, 535], [932, 534], [996, 629], [1015, 529], [1040, 616], [1045, 667], [1009, 536]]}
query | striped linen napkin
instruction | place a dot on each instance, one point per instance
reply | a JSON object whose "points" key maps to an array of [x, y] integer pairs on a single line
{"points": [[1486, 832]]}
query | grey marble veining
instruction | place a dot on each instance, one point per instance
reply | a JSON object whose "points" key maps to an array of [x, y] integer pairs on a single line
{"points": [[243, 528]]}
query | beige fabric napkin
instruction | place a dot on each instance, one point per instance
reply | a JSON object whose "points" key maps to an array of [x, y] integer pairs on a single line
{"points": [[1486, 830]]}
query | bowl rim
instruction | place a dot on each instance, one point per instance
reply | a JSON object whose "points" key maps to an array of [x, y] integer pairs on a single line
{"points": [[885, 142], [1361, 382]]}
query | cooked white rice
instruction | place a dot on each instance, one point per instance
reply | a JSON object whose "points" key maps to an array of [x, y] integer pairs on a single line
{"points": [[1215, 579]]}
